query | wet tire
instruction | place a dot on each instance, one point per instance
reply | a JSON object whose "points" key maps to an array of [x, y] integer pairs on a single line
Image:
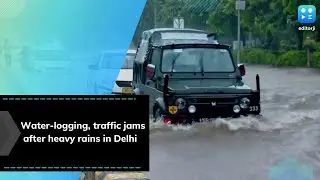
{"points": [[157, 115]]}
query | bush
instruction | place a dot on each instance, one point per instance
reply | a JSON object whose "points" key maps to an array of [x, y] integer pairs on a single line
{"points": [[316, 59], [258, 56], [288, 58], [293, 58]]}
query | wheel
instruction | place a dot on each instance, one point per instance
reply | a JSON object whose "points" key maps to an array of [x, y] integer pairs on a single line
{"points": [[157, 115]]}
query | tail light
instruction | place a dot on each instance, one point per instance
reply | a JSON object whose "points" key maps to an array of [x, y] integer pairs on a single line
{"points": [[242, 69]]}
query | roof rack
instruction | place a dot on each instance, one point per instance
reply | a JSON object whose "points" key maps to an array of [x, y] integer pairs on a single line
{"points": [[213, 37]]}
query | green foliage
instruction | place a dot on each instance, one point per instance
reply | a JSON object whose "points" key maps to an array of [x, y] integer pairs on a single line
{"points": [[171, 9], [293, 58], [272, 22], [316, 59], [195, 16], [290, 58], [160, 13], [258, 56], [222, 18]]}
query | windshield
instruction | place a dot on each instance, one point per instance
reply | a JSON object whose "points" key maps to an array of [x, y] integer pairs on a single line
{"points": [[128, 62], [197, 60], [108, 60]]}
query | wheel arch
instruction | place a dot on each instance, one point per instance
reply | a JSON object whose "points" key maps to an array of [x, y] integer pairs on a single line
{"points": [[159, 103]]}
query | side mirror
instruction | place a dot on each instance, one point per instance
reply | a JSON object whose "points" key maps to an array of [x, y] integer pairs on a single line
{"points": [[150, 70], [242, 69]]}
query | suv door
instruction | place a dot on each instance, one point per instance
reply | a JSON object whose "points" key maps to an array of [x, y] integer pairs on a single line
{"points": [[138, 67], [149, 85]]}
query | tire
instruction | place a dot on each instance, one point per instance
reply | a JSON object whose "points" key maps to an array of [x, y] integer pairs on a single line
{"points": [[157, 115]]}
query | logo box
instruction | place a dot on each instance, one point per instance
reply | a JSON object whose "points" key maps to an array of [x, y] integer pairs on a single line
{"points": [[307, 14]]}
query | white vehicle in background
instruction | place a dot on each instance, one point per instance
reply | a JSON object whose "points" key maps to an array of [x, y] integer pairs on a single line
{"points": [[124, 80], [99, 82], [46, 60]]}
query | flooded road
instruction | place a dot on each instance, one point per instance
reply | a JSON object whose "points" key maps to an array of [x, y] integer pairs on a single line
{"points": [[247, 148]]}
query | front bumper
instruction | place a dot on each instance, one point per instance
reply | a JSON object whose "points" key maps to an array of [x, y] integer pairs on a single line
{"points": [[214, 106]]}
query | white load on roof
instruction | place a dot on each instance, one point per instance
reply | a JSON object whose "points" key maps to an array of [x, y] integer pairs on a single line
{"points": [[182, 35]]}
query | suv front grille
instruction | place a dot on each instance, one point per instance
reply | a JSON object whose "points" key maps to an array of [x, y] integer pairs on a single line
{"points": [[208, 100]]}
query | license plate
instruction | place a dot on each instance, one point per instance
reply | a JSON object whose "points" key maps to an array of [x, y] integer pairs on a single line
{"points": [[126, 90], [206, 119]]}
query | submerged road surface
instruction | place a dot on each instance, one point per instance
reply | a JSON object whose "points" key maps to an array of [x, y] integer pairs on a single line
{"points": [[247, 148]]}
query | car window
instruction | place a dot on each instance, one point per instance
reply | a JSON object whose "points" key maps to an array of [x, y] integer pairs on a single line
{"points": [[108, 59], [197, 60], [156, 55]]}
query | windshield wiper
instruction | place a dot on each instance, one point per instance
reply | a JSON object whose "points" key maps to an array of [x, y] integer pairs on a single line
{"points": [[172, 67], [201, 63], [173, 64]]}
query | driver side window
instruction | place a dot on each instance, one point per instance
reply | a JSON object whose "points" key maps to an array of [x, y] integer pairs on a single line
{"points": [[154, 58], [181, 60], [187, 61]]}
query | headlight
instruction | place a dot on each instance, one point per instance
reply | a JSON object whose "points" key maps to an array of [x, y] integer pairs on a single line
{"points": [[236, 109], [192, 109], [244, 103], [181, 103]]}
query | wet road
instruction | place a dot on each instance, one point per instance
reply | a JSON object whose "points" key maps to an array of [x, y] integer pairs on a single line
{"points": [[247, 148]]}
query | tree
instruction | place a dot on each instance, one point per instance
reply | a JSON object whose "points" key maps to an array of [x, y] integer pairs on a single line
{"points": [[223, 21], [194, 12], [273, 22], [147, 19]]}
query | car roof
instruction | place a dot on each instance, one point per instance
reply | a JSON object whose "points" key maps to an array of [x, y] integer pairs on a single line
{"points": [[174, 30], [155, 35], [183, 41]]}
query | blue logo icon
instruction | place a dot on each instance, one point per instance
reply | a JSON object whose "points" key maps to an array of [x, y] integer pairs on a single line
{"points": [[307, 14]]}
